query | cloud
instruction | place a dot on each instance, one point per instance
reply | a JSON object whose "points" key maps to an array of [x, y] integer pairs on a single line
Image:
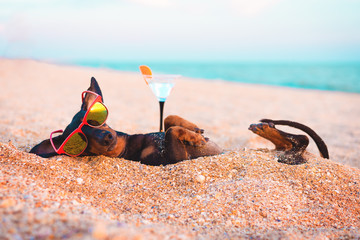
{"points": [[154, 3], [16, 29], [253, 7]]}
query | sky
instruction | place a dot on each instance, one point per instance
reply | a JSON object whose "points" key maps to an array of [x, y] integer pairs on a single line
{"points": [[181, 30]]}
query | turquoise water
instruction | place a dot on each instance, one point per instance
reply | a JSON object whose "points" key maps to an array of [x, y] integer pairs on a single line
{"points": [[324, 76]]}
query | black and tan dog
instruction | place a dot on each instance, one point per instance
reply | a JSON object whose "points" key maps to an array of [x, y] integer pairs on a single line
{"points": [[181, 140]]}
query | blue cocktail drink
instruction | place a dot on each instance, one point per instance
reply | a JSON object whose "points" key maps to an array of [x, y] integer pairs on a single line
{"points": [[161, 85]]}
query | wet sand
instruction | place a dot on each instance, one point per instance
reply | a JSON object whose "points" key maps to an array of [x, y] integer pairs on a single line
{"points": [[244, 192]]}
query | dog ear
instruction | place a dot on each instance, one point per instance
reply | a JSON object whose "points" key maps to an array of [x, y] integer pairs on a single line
{"points": [[89, 98], [45, 149]]}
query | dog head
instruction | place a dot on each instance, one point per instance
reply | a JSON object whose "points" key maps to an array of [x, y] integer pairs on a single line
{"points": [[101, 140]]}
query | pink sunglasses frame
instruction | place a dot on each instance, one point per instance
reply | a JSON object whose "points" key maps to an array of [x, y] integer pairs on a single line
{"points": [[60, 150]]}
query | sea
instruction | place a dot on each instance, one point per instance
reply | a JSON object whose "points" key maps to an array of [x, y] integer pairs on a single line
{"points": [[344, 77]]}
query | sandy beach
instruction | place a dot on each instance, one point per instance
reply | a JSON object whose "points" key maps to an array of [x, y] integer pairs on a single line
{"points": [[243, 193]]}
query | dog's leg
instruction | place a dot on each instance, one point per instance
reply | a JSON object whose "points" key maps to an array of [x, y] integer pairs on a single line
{"points": [[293, 145], [182, 144], [173, 120]]}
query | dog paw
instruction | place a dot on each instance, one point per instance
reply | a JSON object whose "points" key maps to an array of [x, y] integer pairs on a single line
{"points": [[195, 140], [199, 130], [261, 127]]}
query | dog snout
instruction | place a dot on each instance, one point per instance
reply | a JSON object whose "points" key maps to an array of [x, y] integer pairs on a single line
{"points": [[102, 137], [107, 138]]}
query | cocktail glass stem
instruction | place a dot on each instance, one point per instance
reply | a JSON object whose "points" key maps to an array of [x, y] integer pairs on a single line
{"points": [[161, 115]]}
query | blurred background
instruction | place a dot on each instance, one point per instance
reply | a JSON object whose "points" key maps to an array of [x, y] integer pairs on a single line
{"points": [[298, 43]]}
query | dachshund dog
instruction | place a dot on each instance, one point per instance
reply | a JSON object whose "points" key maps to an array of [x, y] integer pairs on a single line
{"points": [[181, 140]]}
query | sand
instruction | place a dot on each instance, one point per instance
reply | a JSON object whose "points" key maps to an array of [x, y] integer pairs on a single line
{"points": [[243, 193]]}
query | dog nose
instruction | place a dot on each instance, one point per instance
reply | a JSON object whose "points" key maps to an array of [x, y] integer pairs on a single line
{"points": [[108, 137]]}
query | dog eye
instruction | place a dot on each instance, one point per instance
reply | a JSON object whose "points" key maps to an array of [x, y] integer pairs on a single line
{"points": [[93, 122]]}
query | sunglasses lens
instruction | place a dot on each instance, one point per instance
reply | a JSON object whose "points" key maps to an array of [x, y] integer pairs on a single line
{"points": [[97, 114], [76, 144]]}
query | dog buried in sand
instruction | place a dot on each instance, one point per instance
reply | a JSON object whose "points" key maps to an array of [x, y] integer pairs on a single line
{"points": [[88, 134]]}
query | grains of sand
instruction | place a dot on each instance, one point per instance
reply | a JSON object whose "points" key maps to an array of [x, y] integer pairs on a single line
{"points": [[240, 194]]}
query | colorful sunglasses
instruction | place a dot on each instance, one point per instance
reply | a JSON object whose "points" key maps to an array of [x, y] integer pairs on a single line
{"points": [[76, 143]]}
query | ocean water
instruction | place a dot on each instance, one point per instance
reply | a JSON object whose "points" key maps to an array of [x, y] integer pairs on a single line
{"points": [[343, 77]]}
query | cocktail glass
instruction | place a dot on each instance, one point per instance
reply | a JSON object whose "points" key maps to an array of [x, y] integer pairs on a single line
{"points": [[161, 85]]}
